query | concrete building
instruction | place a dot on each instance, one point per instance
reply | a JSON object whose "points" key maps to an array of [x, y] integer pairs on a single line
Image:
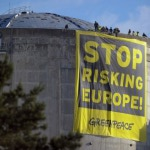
{"points": [[42, 51]]}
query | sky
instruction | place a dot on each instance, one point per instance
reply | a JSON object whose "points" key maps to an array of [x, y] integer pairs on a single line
{"points": [[124, 14]]}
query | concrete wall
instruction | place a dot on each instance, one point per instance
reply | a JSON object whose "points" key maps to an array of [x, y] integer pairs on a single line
{"points": [[48, 57]]}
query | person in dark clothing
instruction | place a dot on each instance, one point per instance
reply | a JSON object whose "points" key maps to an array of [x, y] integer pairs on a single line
{"points": [[66, 26], [106, 29], [129, 32], [96, 26], [144, 35], [116, 31], [110, 30]]}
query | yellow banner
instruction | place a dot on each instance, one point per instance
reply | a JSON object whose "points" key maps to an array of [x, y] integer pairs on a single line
{"points": [[110, 88]]}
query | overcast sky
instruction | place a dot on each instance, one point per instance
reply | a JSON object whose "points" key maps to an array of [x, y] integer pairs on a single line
{"points": [[125, 14]]}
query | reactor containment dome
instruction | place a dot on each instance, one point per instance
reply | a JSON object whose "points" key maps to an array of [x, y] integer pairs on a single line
{"points": [[42, 20]]}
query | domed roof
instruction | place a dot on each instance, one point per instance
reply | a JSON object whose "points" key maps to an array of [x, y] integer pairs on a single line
{"points": [[42, 20]]}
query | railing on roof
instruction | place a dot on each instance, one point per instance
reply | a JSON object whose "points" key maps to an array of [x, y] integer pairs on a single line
{"points": [[18, 10]]}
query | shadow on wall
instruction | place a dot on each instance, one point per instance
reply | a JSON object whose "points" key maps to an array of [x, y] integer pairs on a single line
{"points": [[144, 145]]}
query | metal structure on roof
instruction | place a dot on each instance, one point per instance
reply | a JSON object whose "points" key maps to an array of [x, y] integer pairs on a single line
{"points": [[29, 19]]}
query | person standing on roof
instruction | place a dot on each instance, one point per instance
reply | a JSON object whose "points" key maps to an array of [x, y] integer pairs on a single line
{"points": [[66, 26], [116, 31], [96, 26], [129, 32], [110, 31], [144, 35]]}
